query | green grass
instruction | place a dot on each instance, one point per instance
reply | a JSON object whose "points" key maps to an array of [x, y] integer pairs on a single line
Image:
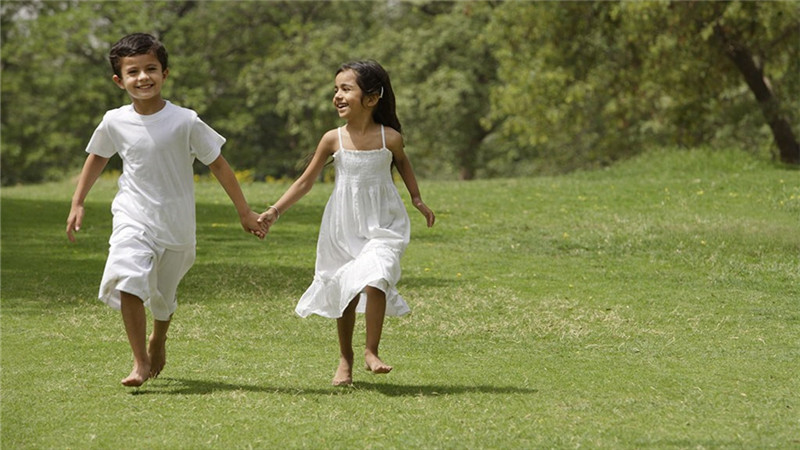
{"points": [[651, 305]]}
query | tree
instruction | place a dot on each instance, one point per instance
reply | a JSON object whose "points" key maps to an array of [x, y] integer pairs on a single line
{"points": [[564, 100], [761, 39], [751, 33], [57, 79], [587, 83], [484, 88], [444, 71]]}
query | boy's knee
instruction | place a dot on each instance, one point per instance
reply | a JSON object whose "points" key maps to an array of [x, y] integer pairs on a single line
{"points": [[127, 297]]}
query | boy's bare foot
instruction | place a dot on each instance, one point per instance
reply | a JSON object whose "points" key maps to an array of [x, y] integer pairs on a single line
{"points": [[157, 350], [138, 376], [344, 373], [375, 365]]}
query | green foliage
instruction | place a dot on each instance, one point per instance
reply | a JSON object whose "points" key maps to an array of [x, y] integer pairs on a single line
{"points": [[484, 88], [653, 304], [588, 83], [443, 73]]}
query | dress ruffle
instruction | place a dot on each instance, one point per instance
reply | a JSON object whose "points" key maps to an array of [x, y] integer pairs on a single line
{"points": [[329, 296]]}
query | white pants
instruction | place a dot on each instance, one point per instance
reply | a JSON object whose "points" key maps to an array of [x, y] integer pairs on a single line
{"points": [[138, 266]]}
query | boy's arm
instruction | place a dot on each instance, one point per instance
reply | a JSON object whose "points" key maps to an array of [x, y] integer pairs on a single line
{"points": [[92, 169], [249, 219]]}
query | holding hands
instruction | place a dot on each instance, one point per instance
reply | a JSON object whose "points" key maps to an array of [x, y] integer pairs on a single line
{"points": [[251, 222], [269, 217]]}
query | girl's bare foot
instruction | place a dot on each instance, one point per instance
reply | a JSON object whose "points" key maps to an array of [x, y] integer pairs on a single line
{"points": [[344, 373], [138, 376], [375, 365], [157, 350]]}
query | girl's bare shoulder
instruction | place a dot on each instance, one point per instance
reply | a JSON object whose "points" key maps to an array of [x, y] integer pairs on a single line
{"points": [[394, 140], [329, 141]]}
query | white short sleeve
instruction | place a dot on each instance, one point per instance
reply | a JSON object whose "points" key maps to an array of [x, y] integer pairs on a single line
{"points": [[101, 144], [206, 143]]}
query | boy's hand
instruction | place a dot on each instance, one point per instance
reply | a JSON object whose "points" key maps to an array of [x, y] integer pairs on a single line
{"points": [[427, 212], [251, 224], [74, 221]]}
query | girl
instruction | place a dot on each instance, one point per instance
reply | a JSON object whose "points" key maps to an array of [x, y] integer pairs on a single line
{"points": [[365, 228]]}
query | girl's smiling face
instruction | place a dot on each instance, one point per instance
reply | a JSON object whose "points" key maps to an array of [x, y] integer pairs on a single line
{"points": [[142, 77], [347, 96]]}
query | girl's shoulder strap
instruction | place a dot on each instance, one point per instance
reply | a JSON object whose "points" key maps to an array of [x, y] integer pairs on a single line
{"points": [[339, 130], [383, 137]]}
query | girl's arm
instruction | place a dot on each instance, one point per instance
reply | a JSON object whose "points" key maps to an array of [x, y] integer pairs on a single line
{"points": [[249, 219], [326, 147], [92, 169], [394, 141]]}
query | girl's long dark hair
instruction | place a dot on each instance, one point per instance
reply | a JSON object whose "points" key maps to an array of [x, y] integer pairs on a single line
{"points": [[373, 79]]}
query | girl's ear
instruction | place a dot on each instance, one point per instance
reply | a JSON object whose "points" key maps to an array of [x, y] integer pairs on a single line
{"points": [[372, 100]]}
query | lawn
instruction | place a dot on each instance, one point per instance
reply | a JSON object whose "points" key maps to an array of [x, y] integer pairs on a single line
{"points": [[650, 305]]}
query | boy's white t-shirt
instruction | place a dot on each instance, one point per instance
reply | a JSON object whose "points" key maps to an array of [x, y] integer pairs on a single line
{"points": [[156, 188]]}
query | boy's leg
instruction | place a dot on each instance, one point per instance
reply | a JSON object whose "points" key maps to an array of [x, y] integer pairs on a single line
{"points": [[171, 267], [135, 319], [375, 313], [157, 349], [344, 327]]}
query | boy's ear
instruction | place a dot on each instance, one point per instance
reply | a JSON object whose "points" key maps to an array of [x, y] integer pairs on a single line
{"points": [[118, 81], [166, 72]]}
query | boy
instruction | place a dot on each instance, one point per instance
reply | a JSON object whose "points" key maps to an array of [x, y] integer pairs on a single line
{"points": [[152, 244]]}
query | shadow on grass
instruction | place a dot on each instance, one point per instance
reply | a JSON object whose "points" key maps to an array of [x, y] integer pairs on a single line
{"points": [[422, 390], [187, 386]]}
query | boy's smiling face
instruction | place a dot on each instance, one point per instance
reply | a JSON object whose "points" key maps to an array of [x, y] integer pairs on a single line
{"points": [[142, 77]]}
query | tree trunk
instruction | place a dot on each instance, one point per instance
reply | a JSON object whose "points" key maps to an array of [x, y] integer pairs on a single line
{"points": [[467, 158], [753, 73]]}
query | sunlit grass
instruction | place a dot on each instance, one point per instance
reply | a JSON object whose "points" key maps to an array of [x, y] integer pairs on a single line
{"points": [[653, 304]]}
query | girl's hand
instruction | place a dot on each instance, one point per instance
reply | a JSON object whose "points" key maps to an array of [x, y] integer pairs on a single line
{"points": [[269, 217], [427, 212]]}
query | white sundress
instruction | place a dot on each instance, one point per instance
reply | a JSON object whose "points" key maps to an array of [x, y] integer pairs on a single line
{"points": [[364, 231]]}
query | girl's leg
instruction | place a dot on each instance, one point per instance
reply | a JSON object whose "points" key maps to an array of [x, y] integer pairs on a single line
{"points": [[376, 311], [344, 327], [157, 350], [135, 319]]}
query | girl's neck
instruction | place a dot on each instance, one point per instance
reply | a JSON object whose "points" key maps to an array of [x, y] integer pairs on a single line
{"points": [[360, 127]]}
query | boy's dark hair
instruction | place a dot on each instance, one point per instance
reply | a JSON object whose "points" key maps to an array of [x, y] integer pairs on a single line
{"points": [[373, 79], [136, 44]]}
